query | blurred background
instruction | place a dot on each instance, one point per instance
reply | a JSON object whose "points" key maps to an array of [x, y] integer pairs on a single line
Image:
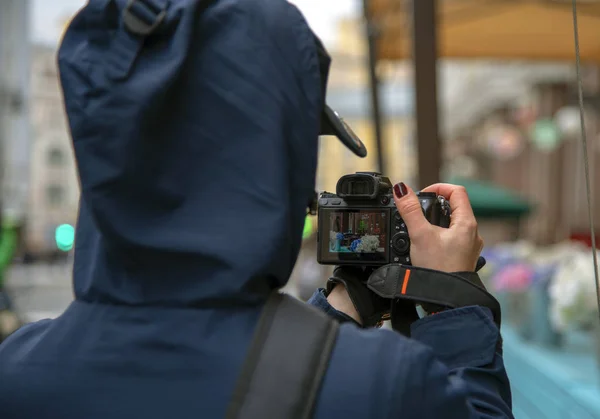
{"points": [[481, 93]]}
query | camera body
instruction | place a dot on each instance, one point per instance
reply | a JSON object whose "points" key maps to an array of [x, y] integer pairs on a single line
{"points": [[360, 225]]}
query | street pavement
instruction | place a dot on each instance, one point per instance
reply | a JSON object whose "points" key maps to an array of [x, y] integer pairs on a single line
{"points": [[41, 290]]}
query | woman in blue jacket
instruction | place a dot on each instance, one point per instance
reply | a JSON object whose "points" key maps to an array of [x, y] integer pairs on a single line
{"points": [[200, 111]]}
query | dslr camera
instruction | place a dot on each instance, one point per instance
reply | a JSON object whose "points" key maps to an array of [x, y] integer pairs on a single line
{"points": [[359, 224]]}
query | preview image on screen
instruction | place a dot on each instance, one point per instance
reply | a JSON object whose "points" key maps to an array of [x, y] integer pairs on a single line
{"points": [[357, 232]]}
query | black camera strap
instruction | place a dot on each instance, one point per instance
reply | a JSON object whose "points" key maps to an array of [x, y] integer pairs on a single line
{"points": [[286, 362], [412, 285]]}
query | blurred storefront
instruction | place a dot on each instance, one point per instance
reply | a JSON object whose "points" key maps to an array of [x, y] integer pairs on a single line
{"points": [[532, 147]]}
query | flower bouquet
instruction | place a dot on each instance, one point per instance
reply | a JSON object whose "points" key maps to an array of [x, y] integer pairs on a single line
{"points": [[573, 303], [500, 257], [545, 261], [512, 282], [366, 244]]}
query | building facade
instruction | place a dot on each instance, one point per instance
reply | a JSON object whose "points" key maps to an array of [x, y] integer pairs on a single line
{"points": [[54, 191], [15, 138]]}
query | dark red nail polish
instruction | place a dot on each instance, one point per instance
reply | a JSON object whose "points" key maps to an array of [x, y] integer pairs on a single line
{"points": [[400, 190]]}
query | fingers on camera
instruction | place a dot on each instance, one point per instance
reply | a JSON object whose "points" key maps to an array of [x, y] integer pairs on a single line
{"points": [[410, 209], [462, 212], [400, 190]]}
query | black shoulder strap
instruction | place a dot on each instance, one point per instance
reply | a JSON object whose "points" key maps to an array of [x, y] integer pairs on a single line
{"points": [[286, 362]]}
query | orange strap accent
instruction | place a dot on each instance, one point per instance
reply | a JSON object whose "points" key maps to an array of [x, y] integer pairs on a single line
{"points": [[405, 283]]}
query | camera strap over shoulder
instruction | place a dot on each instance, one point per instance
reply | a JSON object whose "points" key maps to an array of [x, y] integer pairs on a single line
{"points": [[286, 362], [412, 285]]}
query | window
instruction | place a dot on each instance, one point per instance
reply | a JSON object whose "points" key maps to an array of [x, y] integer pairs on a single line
{"points": [[55, 195], [56, 157]]}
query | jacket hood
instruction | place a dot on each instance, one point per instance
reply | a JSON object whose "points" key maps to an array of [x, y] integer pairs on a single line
{"points": [[196, 148]]}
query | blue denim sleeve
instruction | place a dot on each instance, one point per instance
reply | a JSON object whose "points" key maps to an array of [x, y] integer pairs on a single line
{"points": [[319, 300], [465, 365]]}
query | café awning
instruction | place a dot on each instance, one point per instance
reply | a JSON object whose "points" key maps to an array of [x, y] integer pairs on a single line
{"points": [[496, 29], [492, 201]]}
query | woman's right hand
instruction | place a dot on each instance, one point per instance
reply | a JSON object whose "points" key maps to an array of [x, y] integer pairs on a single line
{"points": [[453, 249]]}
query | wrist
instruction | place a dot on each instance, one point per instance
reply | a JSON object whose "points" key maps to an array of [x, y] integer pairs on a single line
{"points": [[339, 299]]}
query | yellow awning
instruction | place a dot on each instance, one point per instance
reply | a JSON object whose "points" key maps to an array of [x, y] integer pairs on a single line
{"points": [[496, 29]]}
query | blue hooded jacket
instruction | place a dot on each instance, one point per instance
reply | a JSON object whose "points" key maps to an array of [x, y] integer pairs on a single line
{"points": [[197, 154]]}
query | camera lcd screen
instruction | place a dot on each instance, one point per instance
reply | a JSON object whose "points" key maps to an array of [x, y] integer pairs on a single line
{"points": [[353, 235]]}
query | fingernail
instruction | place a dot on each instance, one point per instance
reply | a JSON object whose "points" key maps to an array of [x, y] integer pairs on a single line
{"points": [[400, 190]]}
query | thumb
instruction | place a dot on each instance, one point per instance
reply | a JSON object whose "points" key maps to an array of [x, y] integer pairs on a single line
{"points": [[409, 208]]}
